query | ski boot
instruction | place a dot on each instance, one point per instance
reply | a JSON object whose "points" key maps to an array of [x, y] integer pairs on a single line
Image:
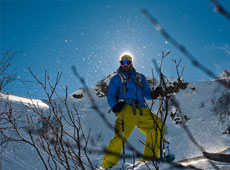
{"points": [[168, 158]]}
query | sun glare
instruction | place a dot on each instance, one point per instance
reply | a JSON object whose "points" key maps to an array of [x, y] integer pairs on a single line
{"points": [[128, 53]]}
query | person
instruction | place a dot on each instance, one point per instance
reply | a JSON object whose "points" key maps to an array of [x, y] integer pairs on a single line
{"points": [[126, 96]]}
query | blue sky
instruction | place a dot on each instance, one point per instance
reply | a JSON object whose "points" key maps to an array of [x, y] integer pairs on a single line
{"points": [[91, 34]]}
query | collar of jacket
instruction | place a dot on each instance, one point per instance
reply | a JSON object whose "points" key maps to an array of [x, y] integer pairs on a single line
{"points": [[132, 71]]}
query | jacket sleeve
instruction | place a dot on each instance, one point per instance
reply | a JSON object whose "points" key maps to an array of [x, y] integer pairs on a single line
{"points": [[146, 88], [113, 91]]}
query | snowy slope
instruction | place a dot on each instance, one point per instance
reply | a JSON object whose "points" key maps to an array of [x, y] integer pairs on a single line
{"points": [[25, 101], [196, 102]]}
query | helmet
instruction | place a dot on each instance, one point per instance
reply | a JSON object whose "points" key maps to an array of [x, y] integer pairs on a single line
{"points": [[126, 57]]}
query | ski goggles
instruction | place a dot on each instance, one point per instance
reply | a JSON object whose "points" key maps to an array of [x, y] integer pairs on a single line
{"points": [[125, 62]]}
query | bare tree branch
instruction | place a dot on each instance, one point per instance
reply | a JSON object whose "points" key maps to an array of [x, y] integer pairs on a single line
{"points": [[220, 9]]}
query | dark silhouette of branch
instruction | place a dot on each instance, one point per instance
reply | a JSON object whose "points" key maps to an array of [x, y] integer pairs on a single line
{"points": [[170, 97], [177, 67], [220, 9], [6, 77], [93, 102], [180, 47]]}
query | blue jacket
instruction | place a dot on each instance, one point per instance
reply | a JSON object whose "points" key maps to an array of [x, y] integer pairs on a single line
{"points": [[133, 90]]}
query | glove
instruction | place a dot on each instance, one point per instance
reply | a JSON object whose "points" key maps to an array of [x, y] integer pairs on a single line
{"points": [[157, 92], [118, 107]]}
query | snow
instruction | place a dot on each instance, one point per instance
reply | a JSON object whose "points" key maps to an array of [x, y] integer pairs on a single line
{"points": [[25, 101], [195, 103]]}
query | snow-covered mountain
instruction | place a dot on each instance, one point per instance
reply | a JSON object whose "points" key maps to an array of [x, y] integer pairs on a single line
{"points": [[24, 100], [204, 104]]}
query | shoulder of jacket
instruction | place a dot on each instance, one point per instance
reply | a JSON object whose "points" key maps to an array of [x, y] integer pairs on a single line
{"points": [[122, 77], [140, 76], [116, 77]]}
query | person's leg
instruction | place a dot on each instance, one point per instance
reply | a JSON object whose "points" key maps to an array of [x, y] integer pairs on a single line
{"points": [[116, 144], [151, 126]]}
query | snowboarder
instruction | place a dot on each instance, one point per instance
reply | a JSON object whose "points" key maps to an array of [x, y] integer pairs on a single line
{"points": [[126, 96]]}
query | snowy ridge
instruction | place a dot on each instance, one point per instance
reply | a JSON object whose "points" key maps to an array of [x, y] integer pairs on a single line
{"points": [[197, 102], [25, 101], [101, 87]]}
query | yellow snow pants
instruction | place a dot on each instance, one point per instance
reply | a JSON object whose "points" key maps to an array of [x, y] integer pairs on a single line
{"points": [[148, 124]]}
